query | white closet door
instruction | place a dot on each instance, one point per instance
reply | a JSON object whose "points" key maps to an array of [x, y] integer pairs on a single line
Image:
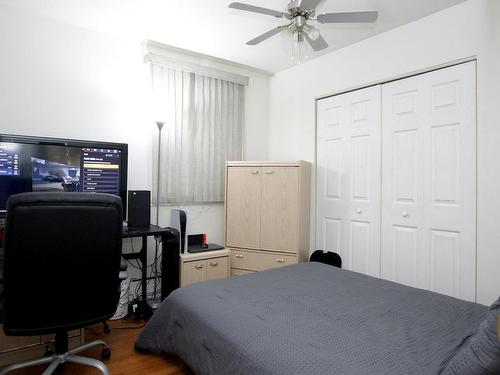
{"points": [[429, 181], [348, 178]]}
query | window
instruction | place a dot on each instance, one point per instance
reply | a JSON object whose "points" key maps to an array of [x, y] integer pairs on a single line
{"points": [[204, 116]]}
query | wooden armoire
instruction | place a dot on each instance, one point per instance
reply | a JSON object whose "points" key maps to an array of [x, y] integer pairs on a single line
{"points": [[266, 214]]}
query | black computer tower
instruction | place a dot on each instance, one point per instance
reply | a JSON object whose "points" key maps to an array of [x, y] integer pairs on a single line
{"points": [[139, 208], [170, 263]]}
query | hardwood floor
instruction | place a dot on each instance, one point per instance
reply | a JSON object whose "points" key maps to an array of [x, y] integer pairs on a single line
{"points": [[124, 359]]}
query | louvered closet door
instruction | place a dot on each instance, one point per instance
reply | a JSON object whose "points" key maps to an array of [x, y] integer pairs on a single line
{"points": [[429, 180], [348, 178]]}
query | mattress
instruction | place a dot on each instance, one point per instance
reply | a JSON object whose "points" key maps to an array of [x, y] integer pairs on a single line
{"points": [[310, 318]]}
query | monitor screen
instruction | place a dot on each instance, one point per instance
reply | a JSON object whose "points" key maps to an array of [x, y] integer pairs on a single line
{"points": [[39, 164]]}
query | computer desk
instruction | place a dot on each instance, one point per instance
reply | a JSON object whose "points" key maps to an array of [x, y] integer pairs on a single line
{"points": [[169, 265]]}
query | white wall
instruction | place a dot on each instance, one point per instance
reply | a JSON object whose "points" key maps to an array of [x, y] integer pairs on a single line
{"points": [[58, 80], [468, 29], [63, 81]]}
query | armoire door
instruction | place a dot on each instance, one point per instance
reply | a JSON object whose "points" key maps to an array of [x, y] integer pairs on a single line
{"points": [[348, 178], [279, 212], [429, 181], [243, 207]]}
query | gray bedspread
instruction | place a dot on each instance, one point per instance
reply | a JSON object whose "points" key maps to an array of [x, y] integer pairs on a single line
{"points": [[310, 319]]}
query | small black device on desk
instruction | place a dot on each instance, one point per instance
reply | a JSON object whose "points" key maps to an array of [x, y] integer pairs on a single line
{"points": [[139, 208], [197, 243]]}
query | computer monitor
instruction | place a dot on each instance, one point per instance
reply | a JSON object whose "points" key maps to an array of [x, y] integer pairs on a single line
{"points": [[49, 164]]}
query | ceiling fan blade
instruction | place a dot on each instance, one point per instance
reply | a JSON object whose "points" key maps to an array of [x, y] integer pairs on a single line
{"points": [[310, 4], [266, 35], [318, 44], [348, 17], [255, 9]]}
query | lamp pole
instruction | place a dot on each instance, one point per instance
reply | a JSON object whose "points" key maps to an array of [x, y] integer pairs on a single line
{"points": [[159, 124]]}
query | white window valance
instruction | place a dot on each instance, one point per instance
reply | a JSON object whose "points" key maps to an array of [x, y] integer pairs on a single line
{"points": [[157, 53]]}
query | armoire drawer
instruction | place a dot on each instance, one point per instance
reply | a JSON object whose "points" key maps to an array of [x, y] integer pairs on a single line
{"points": [[11, 343], [8, 343], [255, 260], [20, 348], [238, 272]]}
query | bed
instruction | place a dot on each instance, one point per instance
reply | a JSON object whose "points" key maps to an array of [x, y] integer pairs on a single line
{"points": [[312, 318]]}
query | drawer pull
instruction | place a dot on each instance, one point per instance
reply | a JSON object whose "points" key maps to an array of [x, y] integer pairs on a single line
{"points": [[239, 256], [214, 264], [255, 171], [199, 266], [279, 260], [269, 171]]}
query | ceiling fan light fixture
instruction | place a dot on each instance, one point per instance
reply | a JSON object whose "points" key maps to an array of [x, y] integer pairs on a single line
{"points": [[313, 32], [299, 13], [300, 50]]}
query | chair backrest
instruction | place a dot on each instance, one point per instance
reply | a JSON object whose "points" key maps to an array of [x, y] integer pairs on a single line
{"points": [[62, 261]]}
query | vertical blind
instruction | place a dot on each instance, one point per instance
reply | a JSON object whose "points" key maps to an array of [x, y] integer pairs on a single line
{"points": [[203, 128]]}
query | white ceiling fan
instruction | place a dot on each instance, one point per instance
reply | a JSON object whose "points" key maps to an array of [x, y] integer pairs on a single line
{"points": [[300, 13]]}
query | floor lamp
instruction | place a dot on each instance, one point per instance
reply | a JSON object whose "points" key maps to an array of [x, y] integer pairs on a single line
{"points": [[159, 124]]}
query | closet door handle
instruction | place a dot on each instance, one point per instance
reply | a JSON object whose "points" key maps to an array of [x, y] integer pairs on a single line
{"points": [[358, 211], [214, 264], [404, 214], [199, 266]]}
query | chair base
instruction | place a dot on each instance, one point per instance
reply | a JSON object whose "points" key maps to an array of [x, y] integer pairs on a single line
{"points": [[58, 359]]}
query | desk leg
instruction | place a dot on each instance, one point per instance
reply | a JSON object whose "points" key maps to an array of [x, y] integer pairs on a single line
{"points": [[144, 311], [144, 261]]}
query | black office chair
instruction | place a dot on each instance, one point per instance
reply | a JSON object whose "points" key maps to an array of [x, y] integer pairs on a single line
{"points": [[62, 261]]}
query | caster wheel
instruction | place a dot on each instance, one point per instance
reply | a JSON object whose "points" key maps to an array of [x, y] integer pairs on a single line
{"points": [[106, 353]]}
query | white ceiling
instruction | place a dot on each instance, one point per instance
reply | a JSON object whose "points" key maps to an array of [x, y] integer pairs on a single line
{"points": [[210, 27]]}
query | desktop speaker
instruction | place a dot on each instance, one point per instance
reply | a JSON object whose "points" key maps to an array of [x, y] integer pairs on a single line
{"points": [[139, 208]]}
